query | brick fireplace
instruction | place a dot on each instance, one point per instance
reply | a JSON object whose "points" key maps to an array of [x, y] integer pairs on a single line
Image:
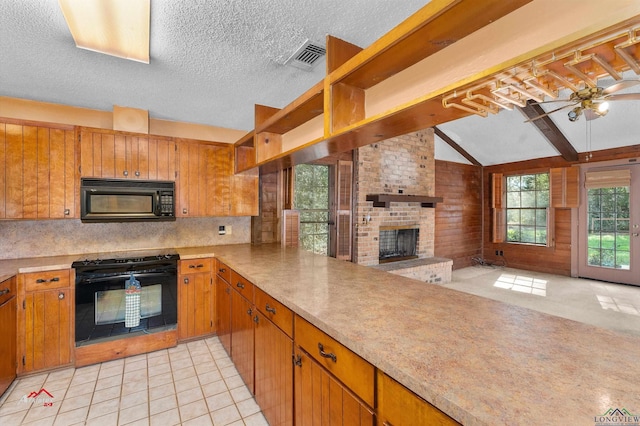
{"points": [[400, 165]]}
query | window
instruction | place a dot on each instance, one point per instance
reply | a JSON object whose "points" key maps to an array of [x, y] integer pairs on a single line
{"points": [[311, 199], [527, 203]]}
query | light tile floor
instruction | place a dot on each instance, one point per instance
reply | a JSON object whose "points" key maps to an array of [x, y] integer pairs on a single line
{"points": [[194, 383]]}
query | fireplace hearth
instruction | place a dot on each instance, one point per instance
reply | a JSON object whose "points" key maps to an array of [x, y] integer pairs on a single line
{"points": [[399, 243]]}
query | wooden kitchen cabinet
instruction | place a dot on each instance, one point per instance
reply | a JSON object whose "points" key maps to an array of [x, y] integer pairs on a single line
{"points": [[273, 356], [203, 184], [45, 303], [321, 399], [122, 155], [223, 305], [196, 298], [332, 383], [40, 167], [243, 316], [398, 406], [206, 185], [8, 330]]}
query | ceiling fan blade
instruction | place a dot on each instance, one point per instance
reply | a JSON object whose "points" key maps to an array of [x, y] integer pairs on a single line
{"points": [[550, 112], [551, 101], [624, 97], [619, 86]]}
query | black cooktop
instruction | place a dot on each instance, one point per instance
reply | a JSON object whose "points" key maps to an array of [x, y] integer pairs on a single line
{"points": [[144, 260]]}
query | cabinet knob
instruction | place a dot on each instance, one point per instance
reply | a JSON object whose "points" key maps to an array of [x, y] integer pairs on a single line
{"points": [[184, 211], [60, 296], [240, 285], [249, 311], [67, 212], [270, 309], [186, 280], [297, 360], [126, 173], [256, 319], [137, 173]]}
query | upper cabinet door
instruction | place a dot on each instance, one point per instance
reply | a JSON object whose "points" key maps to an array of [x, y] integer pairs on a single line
{"points": [[111, 154], [39, 179]]}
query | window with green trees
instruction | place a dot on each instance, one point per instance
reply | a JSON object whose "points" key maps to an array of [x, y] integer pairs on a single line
{"points": [[527, 205], [311, 199], [608, 227]]}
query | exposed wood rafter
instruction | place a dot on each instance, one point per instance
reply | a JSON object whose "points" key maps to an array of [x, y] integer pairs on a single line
{"points": [[455, 146], [550, 130]]}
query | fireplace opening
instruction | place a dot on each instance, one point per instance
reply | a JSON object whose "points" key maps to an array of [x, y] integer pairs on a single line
{"points": [[398, 244]]}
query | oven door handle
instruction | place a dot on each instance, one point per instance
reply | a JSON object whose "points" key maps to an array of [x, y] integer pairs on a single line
{"points": [[80, 280]]}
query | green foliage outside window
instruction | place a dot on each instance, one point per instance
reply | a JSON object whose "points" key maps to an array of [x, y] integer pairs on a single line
{"points": [[527, 204], [311, 199]]}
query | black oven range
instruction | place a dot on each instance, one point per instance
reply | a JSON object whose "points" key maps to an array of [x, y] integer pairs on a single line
{"points": [[123, 297]]}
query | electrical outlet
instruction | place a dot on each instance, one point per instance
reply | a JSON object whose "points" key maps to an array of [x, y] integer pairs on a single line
{"points": [[221, 230], [497, 252], [229, 229], [501, 253]]}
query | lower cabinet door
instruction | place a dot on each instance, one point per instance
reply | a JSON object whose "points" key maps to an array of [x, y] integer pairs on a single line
{"points": [[195, 309], [47, 329], [321, 399], [273, 372], [223, 313], [242, 339]]}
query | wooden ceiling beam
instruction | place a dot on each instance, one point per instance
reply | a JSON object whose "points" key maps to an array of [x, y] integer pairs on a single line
{"points": [[550, 130], [455, 146]]}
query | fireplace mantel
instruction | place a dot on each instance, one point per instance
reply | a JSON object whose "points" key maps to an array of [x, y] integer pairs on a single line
{"points": [[384, 200]]}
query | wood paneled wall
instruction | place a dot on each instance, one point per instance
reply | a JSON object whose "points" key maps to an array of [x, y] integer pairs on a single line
{"points": [[458, 219]]}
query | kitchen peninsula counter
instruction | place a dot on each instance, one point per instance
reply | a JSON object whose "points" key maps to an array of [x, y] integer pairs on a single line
{"points": [[480, 361]]}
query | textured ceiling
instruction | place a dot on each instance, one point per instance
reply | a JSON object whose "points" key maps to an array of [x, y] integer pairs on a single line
{"points": [[212, 60]]}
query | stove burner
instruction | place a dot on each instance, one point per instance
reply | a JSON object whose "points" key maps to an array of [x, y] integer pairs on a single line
{"points": [[147, 260]]}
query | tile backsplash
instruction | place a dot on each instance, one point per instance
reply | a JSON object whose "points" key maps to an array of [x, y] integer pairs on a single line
{"points": [[21, 239]]}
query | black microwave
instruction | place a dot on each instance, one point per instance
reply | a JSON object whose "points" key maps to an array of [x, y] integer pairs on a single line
{"points": [[124, 200]]}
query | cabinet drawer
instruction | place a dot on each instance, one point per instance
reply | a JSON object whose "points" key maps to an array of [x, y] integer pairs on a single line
{"points": [[397, 405], [195, 266], [7, 290], [279, 314], [223, 271], [35, 281], [242, 285], [356, 373]]}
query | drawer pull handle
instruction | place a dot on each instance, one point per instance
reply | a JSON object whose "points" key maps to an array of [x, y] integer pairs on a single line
{"points": [[52, 280], [323, 354], [270, 309], [199, 265], [222, 270], [240, 285], [5, 291]]}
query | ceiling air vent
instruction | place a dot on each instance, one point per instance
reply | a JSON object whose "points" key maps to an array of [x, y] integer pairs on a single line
{"points": [[306, 56]]}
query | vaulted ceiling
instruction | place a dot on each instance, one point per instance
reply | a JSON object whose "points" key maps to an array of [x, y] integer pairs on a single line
{"points": [[212, 60]]}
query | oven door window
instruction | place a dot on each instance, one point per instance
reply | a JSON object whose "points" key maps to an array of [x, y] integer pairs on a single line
{"points": [[111, 304]]}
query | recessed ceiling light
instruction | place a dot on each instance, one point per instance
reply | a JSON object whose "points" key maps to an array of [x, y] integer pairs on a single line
{"points": [[114, 27]]}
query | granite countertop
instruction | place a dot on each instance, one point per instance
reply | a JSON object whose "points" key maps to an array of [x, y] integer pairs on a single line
{"points": [[480, 361]]}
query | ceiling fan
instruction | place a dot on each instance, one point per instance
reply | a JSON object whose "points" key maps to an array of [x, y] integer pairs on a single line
{"points": [[593, 101]]}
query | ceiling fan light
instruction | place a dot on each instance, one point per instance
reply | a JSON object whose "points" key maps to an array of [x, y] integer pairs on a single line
{"points": [[574, 114], [603, 108]]}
